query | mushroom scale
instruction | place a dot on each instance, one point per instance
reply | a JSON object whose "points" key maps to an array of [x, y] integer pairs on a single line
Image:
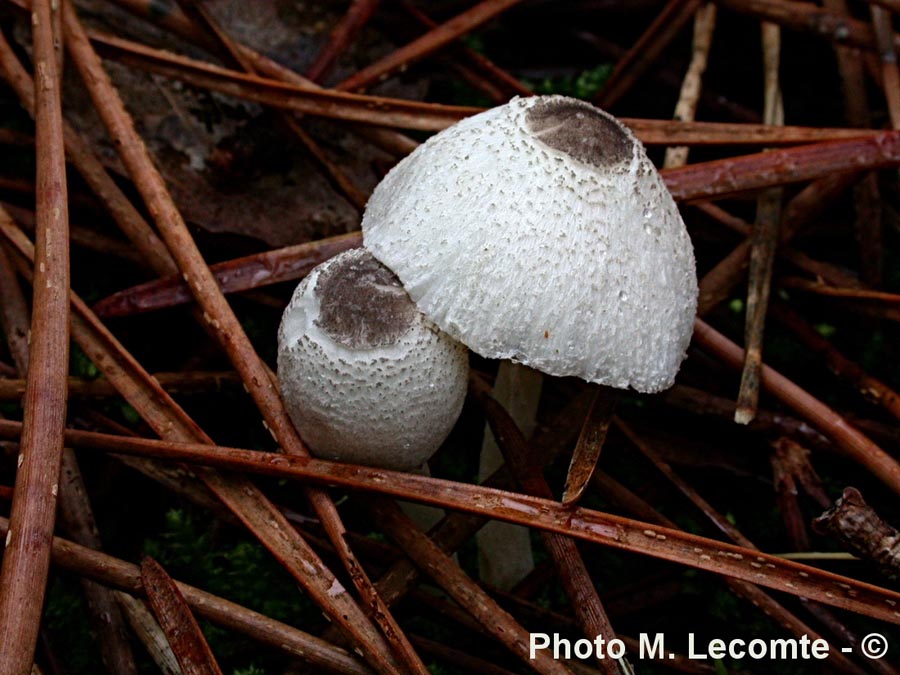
{"points": [[366, 378], [539, 231]]}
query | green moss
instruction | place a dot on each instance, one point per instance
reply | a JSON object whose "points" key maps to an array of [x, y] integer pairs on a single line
{"points": [[80, 365], [584, 85], [229, 565]]}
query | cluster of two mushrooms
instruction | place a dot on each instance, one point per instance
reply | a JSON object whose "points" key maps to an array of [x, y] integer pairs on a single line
{"points": [[537, 232]]}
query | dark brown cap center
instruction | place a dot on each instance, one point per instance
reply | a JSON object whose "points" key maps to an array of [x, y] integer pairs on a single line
{"points": [[579, 130], [362, 303]]}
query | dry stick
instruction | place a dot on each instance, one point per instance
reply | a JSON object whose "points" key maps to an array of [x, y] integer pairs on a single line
{"points": [[446, 573], [573, 573], [546, 515], [126, 576], [848, 440], [231, 52], [217, 313], [807, 17], [870, 387], [185, 382], [487, 67], [429, 43], [178, 623], [342, 35], [692, 86], [720, 521], [792, 470], [862, 531], [590, 443], [852, 75], [664, 28], [241, 496], [764, 241], [92, 170], [392, 631], [26, 557]]}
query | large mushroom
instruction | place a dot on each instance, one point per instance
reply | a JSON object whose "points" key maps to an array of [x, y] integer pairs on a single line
{"points": [[540, 233]]}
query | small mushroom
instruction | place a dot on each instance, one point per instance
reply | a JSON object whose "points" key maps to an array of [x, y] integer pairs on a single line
{"points": [[539, 232], [366, 378]]}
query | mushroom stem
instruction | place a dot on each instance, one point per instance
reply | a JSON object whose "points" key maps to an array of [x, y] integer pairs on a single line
{"points": [[504, 550]]}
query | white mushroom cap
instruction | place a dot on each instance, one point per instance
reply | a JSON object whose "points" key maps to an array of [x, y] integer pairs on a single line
{"points": [[539, 231], [366, 378]]}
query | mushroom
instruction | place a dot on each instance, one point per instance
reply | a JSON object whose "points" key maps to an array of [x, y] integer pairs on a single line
{"points": [[540, 233], [366, 378]]}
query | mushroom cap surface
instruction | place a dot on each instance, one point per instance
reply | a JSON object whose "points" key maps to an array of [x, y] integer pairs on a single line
{"points": [[539, 231], [365, 377]]}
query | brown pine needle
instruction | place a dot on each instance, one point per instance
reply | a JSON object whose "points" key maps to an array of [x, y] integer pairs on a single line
{"points": [[590, 443], [26, 557], [178, 623], [544, 514]]}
